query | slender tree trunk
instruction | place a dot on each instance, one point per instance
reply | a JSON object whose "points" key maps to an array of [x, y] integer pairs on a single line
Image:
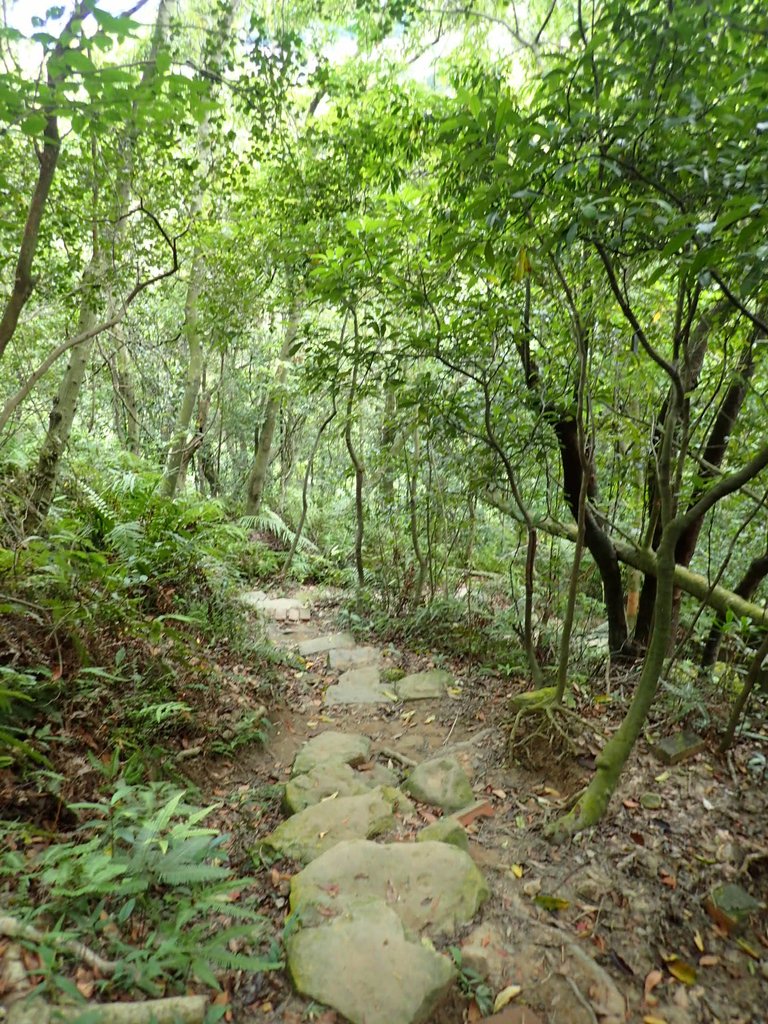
{"points": [[62, 414], [413, 517], [48, 157], [592, 804], [124, 397], [258, 476], [305, 494], [193, 377], [598, 542], [63, 411], [753, 675]]}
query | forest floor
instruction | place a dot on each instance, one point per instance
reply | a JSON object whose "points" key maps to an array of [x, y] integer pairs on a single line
{"points": [[621, 909]]}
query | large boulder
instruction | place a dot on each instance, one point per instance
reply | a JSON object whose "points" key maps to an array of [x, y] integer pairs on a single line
{"points": [[332, 748], [441, 782], [363, 965], [433, 887]]}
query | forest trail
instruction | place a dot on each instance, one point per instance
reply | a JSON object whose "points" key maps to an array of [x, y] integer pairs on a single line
{"points": [[349, 749], [608, 929]]}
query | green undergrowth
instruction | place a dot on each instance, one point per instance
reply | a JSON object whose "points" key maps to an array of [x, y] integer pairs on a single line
{"points": [[487, 638], [120, 626], [145, 884]]}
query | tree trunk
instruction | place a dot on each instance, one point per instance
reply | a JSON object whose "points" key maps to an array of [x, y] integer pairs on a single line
{"points": [[194, 372], [413, 519], [124, 397], [48, 157], [43, 485], [63, 411], [753, 675], [592, 804], [193, 377], [265, 435], [305, 493], [599, 544]]}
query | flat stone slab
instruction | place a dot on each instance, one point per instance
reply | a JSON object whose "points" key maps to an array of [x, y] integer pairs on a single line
{"points": [[353, 657], [323, 644], [317, 829], [676, 748], [329, 779], [423, 685], [362, 965], [281, 609], [432, 887], [331, 748], [441, 782], [359, 686]]}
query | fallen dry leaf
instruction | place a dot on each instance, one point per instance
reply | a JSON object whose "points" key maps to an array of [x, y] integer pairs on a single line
{"points": [[506, 996], [652, 979], [681, 970]]}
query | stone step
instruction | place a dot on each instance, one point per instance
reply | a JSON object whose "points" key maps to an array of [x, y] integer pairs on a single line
{"points": [[353, 657], [323, 644], [363, 965], [281, 609], [359, 686]]}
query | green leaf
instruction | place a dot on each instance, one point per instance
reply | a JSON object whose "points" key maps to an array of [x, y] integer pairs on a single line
{"points": [[34, 124]]}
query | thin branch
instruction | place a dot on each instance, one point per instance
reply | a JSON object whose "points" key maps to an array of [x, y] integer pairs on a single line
{"points": [[629, 314], [756, 320]]}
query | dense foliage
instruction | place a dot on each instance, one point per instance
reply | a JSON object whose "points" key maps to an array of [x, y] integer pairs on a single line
{"points": [[462, 310]]}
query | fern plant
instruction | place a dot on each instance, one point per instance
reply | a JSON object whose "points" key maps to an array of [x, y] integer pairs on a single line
{"points": [[150, 885]]}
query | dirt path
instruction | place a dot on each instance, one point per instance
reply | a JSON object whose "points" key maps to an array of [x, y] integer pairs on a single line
{"points": [[610, 928]]}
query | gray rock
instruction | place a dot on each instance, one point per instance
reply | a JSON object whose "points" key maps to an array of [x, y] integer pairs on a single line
{"points": [[359, 686], [362, 965], [445, 830], [441, 783], [319, 828], [324, 780], [432, 887], [353, 657], [278, 608], [423, 685], [332, 748], [322, 644]]}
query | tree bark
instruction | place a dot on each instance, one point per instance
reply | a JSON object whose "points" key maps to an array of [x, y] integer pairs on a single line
{"points": [[599, 544], [643, 559], [194, 371]]}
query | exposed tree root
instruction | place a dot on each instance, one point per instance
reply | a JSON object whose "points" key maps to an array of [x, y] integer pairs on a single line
{"points": [[12, 928], [553, 734], [175, 1010]]}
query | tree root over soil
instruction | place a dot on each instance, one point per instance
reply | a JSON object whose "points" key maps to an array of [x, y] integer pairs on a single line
{"points": [[555, 733], [34, 1010]]}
